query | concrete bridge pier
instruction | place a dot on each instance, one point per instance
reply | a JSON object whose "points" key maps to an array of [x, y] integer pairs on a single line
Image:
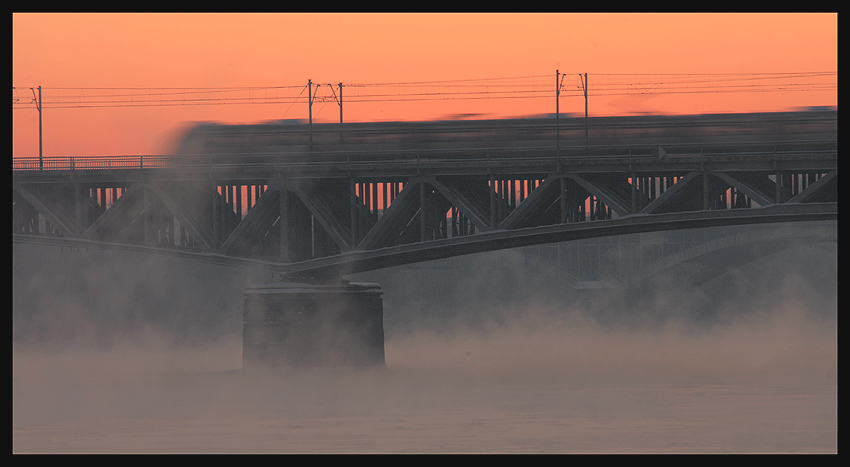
{"points": [[290, 324]]}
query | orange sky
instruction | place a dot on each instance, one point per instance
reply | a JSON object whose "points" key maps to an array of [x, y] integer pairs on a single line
{"points": [[230, 50]]}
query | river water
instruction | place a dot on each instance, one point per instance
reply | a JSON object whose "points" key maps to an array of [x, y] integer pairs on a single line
{"points": [[771, 389], [108, 358]]}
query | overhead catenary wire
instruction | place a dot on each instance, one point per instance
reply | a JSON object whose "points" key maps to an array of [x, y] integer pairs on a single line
{"points": [[519, 87], [629, 84], [141, 97]]}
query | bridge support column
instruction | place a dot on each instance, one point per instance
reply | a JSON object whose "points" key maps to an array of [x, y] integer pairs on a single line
{"points": [[313, 325]]}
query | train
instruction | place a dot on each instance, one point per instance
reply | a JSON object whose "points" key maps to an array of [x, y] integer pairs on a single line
{"points": [[297, 139]]}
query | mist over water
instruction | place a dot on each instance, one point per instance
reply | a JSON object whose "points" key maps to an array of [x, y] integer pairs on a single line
{"points": [[117, 352]]}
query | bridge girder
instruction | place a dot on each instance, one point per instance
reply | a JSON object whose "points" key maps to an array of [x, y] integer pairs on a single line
{"points": [[404, 205], [401, 234]]}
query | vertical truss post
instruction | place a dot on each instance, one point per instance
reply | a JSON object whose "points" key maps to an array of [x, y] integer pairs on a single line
{"points": [[634, 193], [78, 206], [146, 213], [352, 195], [563, 184], [283, 211], [214, 206], [492, 201], [422, 211]]}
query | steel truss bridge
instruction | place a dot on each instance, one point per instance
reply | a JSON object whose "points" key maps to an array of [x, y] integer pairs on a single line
{"points": [[330, 214]]}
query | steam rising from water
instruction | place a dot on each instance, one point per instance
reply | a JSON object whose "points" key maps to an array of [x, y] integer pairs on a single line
{"points": [[747, 363]]}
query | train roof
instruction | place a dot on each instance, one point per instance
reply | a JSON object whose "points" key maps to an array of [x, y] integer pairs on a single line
{"points": [[530, 120]]}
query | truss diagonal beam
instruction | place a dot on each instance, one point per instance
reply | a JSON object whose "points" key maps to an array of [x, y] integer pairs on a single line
{"points": [[51, 210], [397, 216], [757, 187], [461, 199], [120, 215], [821, 188], [258, 219], [178, 207], [535, 202], [322, 208], [606, 192], [683, 193]]}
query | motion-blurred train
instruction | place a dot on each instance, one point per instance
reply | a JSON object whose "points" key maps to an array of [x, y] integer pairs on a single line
{"points": [[295, 139]]}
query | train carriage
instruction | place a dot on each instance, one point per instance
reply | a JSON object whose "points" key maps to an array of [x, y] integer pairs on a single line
{"points": [[298, 140]]}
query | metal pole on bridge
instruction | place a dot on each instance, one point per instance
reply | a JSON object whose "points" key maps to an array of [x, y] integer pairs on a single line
{"points": [[584, 87], [558, 119], [558, 82], [310, 103], [40, 133], [38, 107]]}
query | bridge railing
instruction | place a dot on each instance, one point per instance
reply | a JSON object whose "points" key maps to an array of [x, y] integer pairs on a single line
{"points": [[92, 162], [413, 157]]}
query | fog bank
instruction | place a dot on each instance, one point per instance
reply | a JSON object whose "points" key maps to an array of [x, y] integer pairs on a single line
{"points": [[115, 352]]}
